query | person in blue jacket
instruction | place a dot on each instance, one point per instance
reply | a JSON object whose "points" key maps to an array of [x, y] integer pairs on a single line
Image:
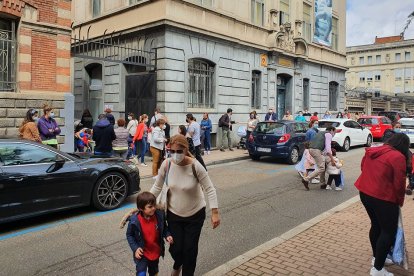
{"points": [[206, 127], [312, 131]]}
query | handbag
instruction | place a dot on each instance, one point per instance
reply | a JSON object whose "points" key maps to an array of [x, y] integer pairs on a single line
{"points": [[162, 199], [399, 250]]}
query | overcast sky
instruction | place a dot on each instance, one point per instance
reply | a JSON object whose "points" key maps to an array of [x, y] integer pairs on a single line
{"points": [[369, 18]]}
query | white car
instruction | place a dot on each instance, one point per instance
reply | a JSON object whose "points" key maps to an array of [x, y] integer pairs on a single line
{"points": [[407, 127], [348, 133]]}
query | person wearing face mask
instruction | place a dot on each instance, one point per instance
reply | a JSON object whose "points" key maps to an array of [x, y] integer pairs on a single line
{"points": [[157, 145], [193, 132], [28, 129], [396, 128], [132, 129], [312, 131], [48, 128], [300, 117], [251, 124], [287, 116], [140, 139], [186, 212], [320, 150], [271, 115]]}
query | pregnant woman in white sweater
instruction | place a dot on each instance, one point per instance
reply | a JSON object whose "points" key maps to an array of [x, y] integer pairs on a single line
{"points": [[187, 179]]}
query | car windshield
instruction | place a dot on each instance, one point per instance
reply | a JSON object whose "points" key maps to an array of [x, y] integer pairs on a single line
{"points": [[368, 121], [271, 128], [325, 124]]}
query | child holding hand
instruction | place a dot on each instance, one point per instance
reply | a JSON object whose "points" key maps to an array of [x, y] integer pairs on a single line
{"points": [[334, 172], [146, 232]]}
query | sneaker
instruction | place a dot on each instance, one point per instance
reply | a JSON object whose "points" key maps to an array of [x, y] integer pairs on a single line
{"points": [[305, 183], [144, 165], [408, 192], [231, 149], [328, 187], [208, 152], [222, 149], [388, 261], [338, 189], [382, 272], [323, 187]]}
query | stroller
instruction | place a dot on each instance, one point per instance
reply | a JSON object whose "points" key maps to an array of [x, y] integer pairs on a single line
{"points": [[241, 132]]}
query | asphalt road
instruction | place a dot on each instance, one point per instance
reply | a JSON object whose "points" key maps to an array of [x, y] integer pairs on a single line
{"points": [[258, 201]]}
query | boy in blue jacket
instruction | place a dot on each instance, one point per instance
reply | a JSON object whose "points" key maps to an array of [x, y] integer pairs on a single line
{"points": [[145, 234]]}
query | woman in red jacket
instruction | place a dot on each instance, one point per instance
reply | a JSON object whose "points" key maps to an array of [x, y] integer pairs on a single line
{"points": [[381, 187], [140, 138]]}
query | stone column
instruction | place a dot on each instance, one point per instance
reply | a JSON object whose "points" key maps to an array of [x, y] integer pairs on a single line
{"points": [[387, 103], [404, 105], [368, 103]]}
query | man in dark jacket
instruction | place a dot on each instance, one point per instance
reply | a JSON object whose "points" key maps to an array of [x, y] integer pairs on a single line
{"points": [[225, 123], [103, 135], [271, 115]]}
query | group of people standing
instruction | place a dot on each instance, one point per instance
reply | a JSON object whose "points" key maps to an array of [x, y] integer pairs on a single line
{"points": [[43, 130]]}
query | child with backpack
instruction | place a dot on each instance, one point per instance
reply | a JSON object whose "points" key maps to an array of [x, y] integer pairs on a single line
{"points": [[146, 232]]}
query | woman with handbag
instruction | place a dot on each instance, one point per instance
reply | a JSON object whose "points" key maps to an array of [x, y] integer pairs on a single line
{"points": [[185, 179], [381, 188]]}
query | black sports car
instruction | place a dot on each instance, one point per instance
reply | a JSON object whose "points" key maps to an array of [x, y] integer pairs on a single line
{"points": [[36, 179]]}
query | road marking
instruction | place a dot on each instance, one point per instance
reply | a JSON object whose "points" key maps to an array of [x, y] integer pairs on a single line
{"points": [[55, 224]]}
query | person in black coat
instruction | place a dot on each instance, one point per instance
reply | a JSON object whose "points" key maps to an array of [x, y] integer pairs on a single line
{"points": [[103, 135], [87, 119], [396, 128]]}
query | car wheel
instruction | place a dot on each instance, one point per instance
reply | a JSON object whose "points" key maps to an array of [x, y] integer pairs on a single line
{"points": [[347, 144], [369, 141], [293, 156], [255, 157], [110, 191]]}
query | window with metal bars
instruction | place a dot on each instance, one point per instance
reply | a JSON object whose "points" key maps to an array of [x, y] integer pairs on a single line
{"points": [[333, 95], [256, 90], [306, 93], [201, 84], [8, 46]]}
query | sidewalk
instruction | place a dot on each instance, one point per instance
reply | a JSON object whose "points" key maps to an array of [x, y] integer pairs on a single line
{"points": [[214, 158], [335, 243]]}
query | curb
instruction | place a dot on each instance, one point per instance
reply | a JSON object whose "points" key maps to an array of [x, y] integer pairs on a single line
{"points": [[236, 262], [213, 163]]}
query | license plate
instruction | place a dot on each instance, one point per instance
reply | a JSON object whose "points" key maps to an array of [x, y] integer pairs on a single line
{"points": [[264, 149]]}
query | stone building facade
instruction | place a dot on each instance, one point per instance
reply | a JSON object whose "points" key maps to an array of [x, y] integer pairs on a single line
{"points": [[35, 63], [206, 56]]}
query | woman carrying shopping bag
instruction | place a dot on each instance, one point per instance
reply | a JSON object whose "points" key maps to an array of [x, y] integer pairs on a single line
{"points": [[381, 187]]}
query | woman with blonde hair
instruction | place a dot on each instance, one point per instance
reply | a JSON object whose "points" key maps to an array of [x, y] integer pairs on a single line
{"points": [[48, 127], [186, 204], [157, 145], [141, 137], [28, 129]]}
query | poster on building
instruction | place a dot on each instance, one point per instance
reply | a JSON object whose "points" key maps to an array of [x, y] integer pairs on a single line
{"points": [[323, 22]]}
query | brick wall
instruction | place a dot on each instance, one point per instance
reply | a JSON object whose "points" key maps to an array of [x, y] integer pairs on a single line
{"points": [[47, 10], [43, 61]]}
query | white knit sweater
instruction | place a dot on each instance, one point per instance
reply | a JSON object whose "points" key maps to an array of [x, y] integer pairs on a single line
{"points": [[335, 170], [185, 196]]}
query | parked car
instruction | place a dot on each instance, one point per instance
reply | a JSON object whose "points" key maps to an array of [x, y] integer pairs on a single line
{"points": [[407, 127], [348, 133], [280, 139], [36, 179], [393, 115], [376, 124]]}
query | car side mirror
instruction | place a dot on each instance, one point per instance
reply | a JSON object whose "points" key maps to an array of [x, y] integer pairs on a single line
{"points": [[59, 162]]}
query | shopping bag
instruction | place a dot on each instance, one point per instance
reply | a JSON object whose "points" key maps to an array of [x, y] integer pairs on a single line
{"points": [[241, 131], [162, 199], [399, 250], [300, 167]]}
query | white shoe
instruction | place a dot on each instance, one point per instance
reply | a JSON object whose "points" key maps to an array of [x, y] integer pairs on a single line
{"points": [[382, 272], [154, 177], [208, 152], [338, 189], [144, 165], [328, 187], [388, 261]]}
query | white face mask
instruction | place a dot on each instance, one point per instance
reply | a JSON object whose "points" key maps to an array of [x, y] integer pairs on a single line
{"points": [[129, 118], [177, 158], [164, 127]]}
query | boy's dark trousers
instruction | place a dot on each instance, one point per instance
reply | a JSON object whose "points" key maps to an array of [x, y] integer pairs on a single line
{"points": [[144, 264], [336, 177]]}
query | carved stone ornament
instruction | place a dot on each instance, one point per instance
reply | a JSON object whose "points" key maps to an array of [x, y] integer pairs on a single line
{"points": [[284, 38], [353, 61], [387, 58]]}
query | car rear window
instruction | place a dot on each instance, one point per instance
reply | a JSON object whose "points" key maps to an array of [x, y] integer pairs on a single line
{"points": [[326, 124], [271, 128], [368, 121], [407, 124]]}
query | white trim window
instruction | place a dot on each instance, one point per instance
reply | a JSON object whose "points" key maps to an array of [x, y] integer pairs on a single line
{"points": [[96, 8], [257, 12], [204, 3], [378, 59], [201, 84], [306, 24], [284, 6]]}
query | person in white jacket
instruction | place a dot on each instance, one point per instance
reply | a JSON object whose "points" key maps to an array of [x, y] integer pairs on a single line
{"points": [[157, 145], [334, 172]]}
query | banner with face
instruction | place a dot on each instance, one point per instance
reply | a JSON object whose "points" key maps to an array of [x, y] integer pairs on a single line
{"points": [[323, 22]]}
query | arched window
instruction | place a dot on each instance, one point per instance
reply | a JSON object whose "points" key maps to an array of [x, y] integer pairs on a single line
{"points": [[333, 95], [201, 84], [306, 94]]}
